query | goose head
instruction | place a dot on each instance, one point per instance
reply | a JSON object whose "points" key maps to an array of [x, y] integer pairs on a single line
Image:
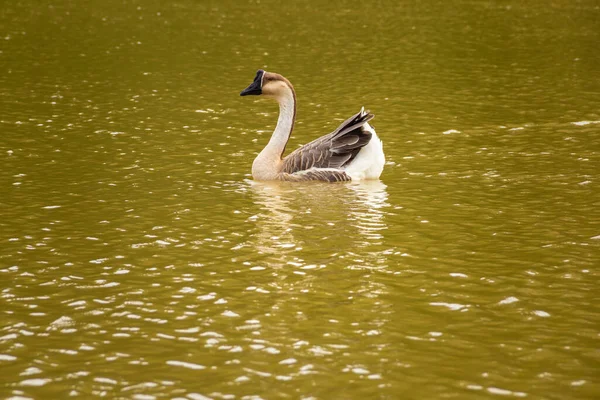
{"points": [[268, 84]]}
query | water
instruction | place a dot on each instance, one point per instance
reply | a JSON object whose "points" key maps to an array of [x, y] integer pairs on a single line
{"points": [[139, 260]]}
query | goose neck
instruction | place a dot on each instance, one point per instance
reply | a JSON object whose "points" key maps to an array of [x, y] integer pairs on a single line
{"points": [[285, 122]]}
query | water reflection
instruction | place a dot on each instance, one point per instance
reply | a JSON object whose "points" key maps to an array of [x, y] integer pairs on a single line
{"points": [[275, 218], [369, 216], [297, 215], [322, 246]]}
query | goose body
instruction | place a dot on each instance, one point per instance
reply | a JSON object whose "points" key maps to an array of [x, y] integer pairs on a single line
{"points": [[351, 152]]}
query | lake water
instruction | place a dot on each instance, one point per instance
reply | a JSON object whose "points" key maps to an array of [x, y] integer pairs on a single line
{"points": [[139, 260]]}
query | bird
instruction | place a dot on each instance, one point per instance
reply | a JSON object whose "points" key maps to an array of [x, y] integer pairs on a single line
{"points": [[352, 152]]}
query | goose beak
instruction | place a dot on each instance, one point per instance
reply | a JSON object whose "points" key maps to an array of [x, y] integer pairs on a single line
{"points": [[255, 87]]}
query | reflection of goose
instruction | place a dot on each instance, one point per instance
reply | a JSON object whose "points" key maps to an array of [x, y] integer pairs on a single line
{"points": [[370, 217], [275, 218], [371, 193], [351, 152], [289, 212]]}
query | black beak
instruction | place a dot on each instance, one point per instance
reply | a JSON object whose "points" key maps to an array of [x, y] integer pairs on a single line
{"points": [[255, 87]]}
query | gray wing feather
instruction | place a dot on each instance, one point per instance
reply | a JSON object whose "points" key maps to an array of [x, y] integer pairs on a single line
{"points": [[325, 175], [334, 150], [347, 140]]}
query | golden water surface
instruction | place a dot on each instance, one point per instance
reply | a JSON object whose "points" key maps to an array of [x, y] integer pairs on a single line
{"points": [[138, 259]]}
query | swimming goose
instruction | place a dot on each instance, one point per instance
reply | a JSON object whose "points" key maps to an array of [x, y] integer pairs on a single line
{"points": [[351, 152]]}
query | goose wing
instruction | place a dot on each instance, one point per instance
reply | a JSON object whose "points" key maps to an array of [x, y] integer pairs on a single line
{"points": [[332, 151], [316, 174]]}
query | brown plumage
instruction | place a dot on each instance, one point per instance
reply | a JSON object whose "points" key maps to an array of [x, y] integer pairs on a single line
{"points": [[334, 150], [315, 175]]}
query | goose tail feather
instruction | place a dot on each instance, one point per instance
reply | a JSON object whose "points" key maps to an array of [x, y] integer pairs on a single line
{"points": [[355, 121]]}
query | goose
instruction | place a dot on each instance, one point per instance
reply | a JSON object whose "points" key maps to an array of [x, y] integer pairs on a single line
{"points": [[352, 152]]}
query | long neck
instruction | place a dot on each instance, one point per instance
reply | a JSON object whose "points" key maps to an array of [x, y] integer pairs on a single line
{"points": [[285, 122]]}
